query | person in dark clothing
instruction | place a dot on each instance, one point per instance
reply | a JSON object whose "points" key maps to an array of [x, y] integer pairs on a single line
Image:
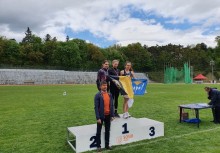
{"points": [[114, 90], [213, 109], [214, 96], [102, 75], [104, 111]]}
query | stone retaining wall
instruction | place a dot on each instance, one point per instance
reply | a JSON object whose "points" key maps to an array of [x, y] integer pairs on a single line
{"points": [[28, 76]]}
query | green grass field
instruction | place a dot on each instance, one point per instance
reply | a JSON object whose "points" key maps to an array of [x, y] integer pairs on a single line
{"points": [[33, 119]]}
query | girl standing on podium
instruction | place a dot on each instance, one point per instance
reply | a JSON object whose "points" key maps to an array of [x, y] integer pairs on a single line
{"points": [[128, 71], [102, 74], [114, 90]]}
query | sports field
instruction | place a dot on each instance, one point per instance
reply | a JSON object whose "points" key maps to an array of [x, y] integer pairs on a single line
{"points": [[33, 119]]}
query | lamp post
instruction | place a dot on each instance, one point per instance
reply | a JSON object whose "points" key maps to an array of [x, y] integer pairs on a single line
{"points": [[212, 63]]}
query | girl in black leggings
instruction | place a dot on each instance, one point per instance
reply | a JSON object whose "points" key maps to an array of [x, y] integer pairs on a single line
{"points": [[114, 71]]}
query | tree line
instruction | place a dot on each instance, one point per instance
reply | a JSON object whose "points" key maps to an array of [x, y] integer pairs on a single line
{"points": [[77, 54]]}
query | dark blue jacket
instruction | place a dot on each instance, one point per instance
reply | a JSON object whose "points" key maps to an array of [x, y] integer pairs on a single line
{"points": [[99, 106], [215, 97], [102, 75]]}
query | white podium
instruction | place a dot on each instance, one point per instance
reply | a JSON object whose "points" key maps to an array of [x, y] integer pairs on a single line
{"points": [[83, 138]]}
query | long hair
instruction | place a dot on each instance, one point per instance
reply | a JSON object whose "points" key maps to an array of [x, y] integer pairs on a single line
{"points": [[131, 69]]}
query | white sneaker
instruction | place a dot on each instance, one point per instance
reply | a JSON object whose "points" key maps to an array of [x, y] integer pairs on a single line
{"points": [[125, 116]]}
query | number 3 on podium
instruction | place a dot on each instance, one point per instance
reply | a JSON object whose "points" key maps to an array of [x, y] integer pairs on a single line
{"points": [[152, 131]]}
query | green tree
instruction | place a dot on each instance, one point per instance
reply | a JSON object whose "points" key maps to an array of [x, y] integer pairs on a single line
{"points": [[67, 38], [217, 39], [138, 55], [28, 36], [9, 51], [47, 38], [83, 51], [49, 48], [2, 47], [31, 50], [199, 57], [54, 39], [11, 54], [95, 57], [67, 55]]}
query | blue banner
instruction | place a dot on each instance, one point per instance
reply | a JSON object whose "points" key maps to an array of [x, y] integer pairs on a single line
{"points": [[139, 86]]}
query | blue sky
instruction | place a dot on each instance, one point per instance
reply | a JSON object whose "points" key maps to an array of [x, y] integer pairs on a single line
{"points": [[103, 42], [138, 14], [106, 22], [89, 37]]}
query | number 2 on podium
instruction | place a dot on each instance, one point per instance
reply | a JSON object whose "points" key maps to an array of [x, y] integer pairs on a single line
{"points": [[94, 143]]}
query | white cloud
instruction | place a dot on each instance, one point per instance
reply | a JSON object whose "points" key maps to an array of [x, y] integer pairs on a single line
{"points": [[6, 32], [194, 11], [112, 20]]}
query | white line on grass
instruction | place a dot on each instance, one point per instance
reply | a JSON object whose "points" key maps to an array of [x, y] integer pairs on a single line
{"points": [[162, 139]]}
